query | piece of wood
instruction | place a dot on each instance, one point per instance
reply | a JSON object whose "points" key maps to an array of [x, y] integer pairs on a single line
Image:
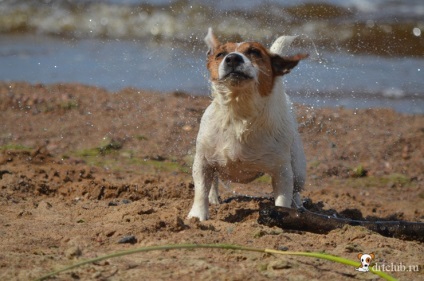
{"points": [[304, 220]]}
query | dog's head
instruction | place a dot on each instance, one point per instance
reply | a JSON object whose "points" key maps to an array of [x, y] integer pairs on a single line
{"points": [[246, 64], [366, 259]]}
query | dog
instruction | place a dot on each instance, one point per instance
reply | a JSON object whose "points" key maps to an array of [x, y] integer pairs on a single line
{"points": [[365, 261], [249, 128]]}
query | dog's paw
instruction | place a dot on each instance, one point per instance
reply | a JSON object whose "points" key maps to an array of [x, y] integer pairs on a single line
{"points": [[202, 215]]}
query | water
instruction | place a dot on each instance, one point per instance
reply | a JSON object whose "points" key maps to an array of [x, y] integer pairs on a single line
{"points": [[363, 53], [112, 64]]}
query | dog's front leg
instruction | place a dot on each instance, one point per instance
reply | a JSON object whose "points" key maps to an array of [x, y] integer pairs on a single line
{"points": [[282, 185], [202, 176]]}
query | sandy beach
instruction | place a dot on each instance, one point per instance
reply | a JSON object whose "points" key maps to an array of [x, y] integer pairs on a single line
{"points": [[81, 168]]}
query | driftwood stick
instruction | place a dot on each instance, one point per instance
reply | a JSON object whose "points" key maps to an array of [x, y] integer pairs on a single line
{"points": [[304, 220]]}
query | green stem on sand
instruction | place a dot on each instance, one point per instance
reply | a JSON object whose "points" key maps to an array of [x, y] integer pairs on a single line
{"points": [[216, 246]]}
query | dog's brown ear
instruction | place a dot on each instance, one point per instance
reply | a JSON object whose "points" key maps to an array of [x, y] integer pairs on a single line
{"points": [[359, 256], [283, 65], [211, 41], [372, 256]]}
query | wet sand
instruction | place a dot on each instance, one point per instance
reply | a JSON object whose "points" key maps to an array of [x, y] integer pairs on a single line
{"points": [[81, 168]]}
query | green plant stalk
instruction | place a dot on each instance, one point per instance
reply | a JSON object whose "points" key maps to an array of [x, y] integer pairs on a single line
{"points": [[217, 246]]}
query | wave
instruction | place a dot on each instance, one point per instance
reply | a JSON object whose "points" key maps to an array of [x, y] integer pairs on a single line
{"points": [[328, 25]]}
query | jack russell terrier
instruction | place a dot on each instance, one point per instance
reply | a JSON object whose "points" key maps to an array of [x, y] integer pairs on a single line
{"points": [[366, 260], [249, 128]]}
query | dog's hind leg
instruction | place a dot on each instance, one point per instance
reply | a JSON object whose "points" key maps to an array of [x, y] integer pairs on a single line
{"points": [[298, 162], [282, 185], [214, 194]]}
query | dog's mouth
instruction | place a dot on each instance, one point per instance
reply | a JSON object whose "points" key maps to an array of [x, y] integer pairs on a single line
{"points": [[237, 75]]}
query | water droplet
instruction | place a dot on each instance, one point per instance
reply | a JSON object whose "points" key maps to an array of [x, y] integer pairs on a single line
{"points": [[416, 31]]}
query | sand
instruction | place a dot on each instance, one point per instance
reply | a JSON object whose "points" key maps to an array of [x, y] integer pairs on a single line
{"points": [[82, 168]]}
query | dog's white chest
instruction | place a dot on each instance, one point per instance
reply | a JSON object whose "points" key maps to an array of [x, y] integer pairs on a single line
{"points": [[239, 150], [235, 161]]}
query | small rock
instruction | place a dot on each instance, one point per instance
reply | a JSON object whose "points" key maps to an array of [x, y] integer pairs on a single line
{"points": [[130, 239], [156, 158], [126, 201], [283, 248], [113, 203], [116, 202]]}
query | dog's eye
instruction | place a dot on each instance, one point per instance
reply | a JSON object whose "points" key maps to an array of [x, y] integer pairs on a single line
{"points": [[221, 55], [254, 52]]}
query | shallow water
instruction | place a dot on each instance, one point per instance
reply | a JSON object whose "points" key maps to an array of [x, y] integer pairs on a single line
{"points": [[363, 53]]}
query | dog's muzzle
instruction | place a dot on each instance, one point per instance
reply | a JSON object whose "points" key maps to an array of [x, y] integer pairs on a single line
{"points": [[234, 68]]}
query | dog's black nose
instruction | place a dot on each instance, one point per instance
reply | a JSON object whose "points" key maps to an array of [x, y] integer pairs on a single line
{"points": [[233, 60]]}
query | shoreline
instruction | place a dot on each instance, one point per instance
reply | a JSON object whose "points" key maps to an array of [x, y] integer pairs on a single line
{"points": [[402, 103]]}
